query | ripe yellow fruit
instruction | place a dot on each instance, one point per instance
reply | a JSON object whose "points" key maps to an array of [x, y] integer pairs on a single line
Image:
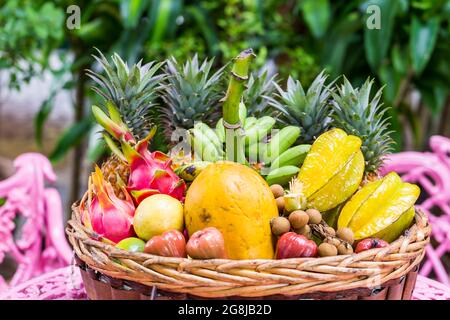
{"points": [[382, 209], [236, 200], [332, 170], [157, 214]]}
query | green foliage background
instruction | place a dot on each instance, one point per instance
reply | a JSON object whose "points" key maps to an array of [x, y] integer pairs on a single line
{"points": [[409, 55]]}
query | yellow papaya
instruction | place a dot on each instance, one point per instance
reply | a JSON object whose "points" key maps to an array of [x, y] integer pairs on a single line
{"points": [[332, 170], [381, 209], [236, 200]]}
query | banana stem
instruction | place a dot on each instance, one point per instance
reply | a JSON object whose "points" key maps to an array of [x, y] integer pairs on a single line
{"points": [[239, 75]]}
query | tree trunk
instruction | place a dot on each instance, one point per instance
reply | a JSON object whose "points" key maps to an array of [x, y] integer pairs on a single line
{"points": [[78, 154]]}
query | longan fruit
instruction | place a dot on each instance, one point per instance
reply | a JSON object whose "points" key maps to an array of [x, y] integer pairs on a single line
{"points": [[304, 231], [330, 231], [277, 190], [280, 204], [314, 216], [280, 225], [333, 241], [327, 250], [344, 249], [298, 219], [346, 234]]}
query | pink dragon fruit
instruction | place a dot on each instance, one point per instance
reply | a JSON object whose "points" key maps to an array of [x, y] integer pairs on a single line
{"points": [[150, 172], [110, 217]]}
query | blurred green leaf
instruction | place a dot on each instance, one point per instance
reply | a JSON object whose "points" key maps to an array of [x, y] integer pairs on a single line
{"points": [[396, 128], [206, 25], [377, 41], [399, 62], [391, 79], [317, 16], [163, 14], [70, 138], [336, 43], [2, 201], [422, 41], [131, 11], [434, 95], [41, 117]]}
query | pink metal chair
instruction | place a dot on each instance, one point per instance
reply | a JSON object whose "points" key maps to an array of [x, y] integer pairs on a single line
{"points": [[431, 170], [39, 245]]}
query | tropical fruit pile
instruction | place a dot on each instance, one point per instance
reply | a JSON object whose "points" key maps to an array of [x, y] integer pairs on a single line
{"points": [[284, 173]]}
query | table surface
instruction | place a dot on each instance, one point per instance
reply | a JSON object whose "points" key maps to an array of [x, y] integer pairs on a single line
{"points": [[66, 284]]}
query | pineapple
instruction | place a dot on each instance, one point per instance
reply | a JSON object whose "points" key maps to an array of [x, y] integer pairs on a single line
{"points": [[132, 91], [259, 88], [191, 92], [116, 172], [355, 113], [309, 110]]}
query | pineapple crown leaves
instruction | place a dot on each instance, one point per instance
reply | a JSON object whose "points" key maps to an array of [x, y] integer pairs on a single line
{"points": [[191, 92], [133, 90], [309, 109], [355, 113], [259, 88]]}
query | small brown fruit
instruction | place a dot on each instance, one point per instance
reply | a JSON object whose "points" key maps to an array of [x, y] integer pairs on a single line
{"points": [[298, 219], [330, 231], [327, 250], [304, 231], [346, 234], [277, 190], [280, 204], [333, 241], [344, 249], [314, 216], [280, 225]]}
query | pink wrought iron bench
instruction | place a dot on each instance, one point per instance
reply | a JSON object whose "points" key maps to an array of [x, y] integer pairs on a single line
{"points": [[430, 169], [31, 221]]}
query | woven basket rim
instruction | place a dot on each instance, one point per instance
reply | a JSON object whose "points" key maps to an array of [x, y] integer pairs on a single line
{"points": [[218, 278]]}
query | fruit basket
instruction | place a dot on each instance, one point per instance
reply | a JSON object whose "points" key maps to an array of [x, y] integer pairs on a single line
{"points": [[246, 212], [385, 273]]}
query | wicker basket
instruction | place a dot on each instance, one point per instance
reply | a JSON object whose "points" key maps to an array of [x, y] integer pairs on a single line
{"points": [[380, 274]]}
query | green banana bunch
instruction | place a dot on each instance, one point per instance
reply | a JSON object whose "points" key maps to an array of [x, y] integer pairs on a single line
{"points": [[206, 144], [287, 165], [291, 157], [282, 175], [281, 160]]}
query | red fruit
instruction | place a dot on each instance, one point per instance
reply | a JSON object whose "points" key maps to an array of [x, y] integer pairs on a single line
{"points": [[206, 244], [370, 243], [150, 172], [293, 245], [169, 244], [110, 217]]}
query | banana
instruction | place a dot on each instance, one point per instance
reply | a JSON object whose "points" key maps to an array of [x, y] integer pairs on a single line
{"points": [[282, 175], [281, 141], [257, 152], [259, 130], [220, 130], [204, 148], [291, 157], [249, 122], [209, 133], [190, 171]]}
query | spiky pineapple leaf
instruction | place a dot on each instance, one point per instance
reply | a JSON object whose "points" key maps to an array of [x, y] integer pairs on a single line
{"points": [[191, 92], [133, 90], [357, 114], [256, 96], [310, 109]]}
